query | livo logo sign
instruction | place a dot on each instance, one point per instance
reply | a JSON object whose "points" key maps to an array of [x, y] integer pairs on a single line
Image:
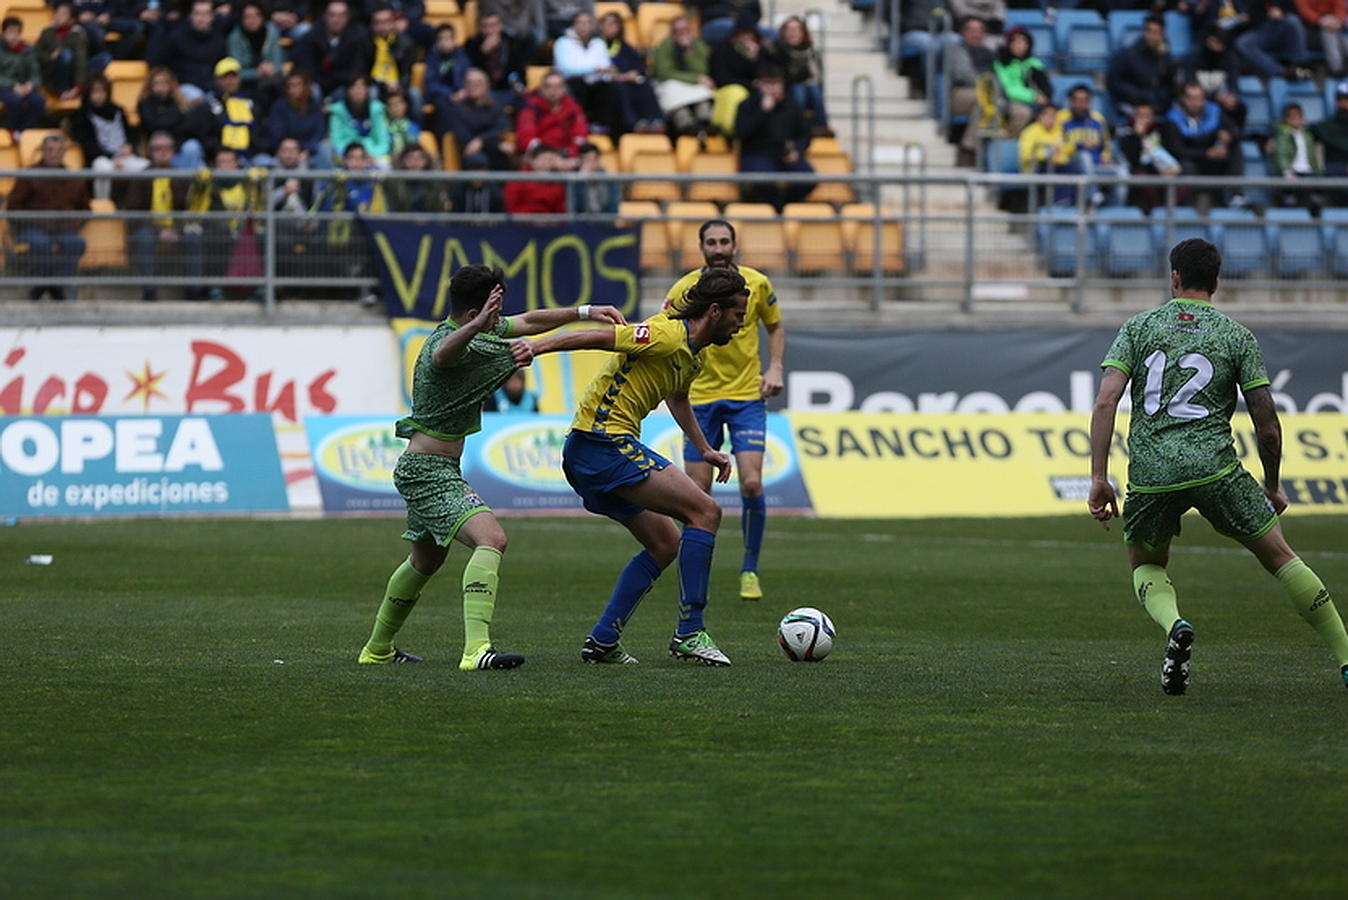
{"points": [[354, 459], [65, 466]]}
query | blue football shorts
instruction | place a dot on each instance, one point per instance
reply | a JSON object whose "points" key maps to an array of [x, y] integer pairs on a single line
{"points": [[746, 420], [597, 464]]}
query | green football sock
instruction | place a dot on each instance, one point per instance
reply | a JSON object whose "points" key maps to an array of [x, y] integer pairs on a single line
{"points": [[1312, 601], [404, 588], [1157, 594], [480, 578]]}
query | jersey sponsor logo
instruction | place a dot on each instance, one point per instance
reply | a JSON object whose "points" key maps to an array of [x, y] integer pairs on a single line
{"points": [[641, 333], [1186, 317]]}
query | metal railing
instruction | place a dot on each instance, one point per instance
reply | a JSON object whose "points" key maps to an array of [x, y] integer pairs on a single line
{"points": [[935, 238]]}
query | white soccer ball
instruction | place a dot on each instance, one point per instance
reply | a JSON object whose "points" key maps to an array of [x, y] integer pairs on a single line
{"points": [[805, 635]]}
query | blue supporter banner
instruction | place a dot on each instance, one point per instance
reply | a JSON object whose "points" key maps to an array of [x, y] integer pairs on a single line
{"points": [[546, 267], [514, 463], [139, 465]]}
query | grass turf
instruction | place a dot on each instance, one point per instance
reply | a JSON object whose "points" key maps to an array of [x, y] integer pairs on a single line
{"points": [[182, 717]]}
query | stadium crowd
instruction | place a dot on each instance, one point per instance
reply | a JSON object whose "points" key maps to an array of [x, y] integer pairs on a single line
{"points": [[359, 87], [1250, 86]]}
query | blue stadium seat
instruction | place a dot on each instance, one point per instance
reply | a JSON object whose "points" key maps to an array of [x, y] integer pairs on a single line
{"points": [[1335, 238], [1178, 33], [1259, 115], [1277, 95], [1045, 43], [1124, 26], [1295, 239], [1071, 18], [1310, 97], [1255, 166], [1186, 225], [1024, 17], [1086, 49], [1062, 249], [1003, 156], [1125, 242], [1243, 242]]}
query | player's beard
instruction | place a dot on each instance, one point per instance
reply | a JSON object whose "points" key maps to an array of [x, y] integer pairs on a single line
{"points": [[720, 261]]}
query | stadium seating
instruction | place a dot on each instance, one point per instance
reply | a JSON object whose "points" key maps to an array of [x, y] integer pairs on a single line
{"points": [[1124, 239], [126, 78], [714, 164], [1059, 237], [1335, 239], [1178, 33], [1124, 26], [683, 220], [831, 191], [30, 148], [1068, 20], [1087, 49], [1260, 114], [655, 246], [653, 23], [631, 34], [9, 159], [688, 146], [629, 145], [759, 234], [859, 232], [104, 238], [814, 235], [534, 75], [651, 163], [449, 153], [35, 16], [1242, 241], [1295, 240]]}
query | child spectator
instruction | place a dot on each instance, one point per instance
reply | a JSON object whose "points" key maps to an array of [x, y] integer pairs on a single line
{"points": [[402, 131], [20, 79], [1020, 75], [446, 65], [416, 195], [593, 194], [1294, 156]]}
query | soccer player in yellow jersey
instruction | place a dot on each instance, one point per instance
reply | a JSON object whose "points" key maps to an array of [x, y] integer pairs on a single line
{"points": [[619, 477], [729, 393]]}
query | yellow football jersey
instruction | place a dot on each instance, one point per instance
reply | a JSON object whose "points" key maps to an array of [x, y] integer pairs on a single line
{"points": [[732, 372], [651, 360]]}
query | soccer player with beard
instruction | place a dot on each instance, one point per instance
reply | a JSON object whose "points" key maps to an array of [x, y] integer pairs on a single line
{"points": [[729, 394]]}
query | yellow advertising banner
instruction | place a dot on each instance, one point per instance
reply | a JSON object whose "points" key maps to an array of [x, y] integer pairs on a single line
{"points": [[863, 465]]}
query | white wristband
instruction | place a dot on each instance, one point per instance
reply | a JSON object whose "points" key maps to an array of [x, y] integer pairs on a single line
{"points": [[583, 311]]}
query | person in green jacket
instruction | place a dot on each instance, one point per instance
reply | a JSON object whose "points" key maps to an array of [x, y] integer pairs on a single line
{"points": [[361, 119], [680, 68], [1021, 78], [20, 79], [1295, 156], [63, 53]]}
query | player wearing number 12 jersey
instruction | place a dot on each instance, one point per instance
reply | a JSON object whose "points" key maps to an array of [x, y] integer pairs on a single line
{"points": [[1185, 361]]}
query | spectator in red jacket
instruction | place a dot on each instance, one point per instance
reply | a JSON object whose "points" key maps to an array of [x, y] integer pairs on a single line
{"points": [[550, 116], [524, 197], [1329, 16]]}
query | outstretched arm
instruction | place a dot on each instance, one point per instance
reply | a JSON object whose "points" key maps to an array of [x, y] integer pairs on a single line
{"points": [[1268, 435], [1102, 502], [682, 411], [537, 321], [590, 339]]}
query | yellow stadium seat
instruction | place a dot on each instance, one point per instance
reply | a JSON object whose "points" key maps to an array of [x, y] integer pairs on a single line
{"points": [[652, 163], [30, 148], [6, 139], [685, 148], [714, 164], [684, 219], [534, 75], [449, 153], [428, 143], [601, 141], [859, 229], [759, 234], [470, 14], [814, 234], [824, 146], [655, 249], [9, 159], [35, 18], [629, 145], [832, 191], [126, 78], [418, 76], [104, 237], [653, 22]]}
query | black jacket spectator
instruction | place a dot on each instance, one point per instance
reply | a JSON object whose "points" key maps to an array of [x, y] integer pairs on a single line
{"points": [[333, 61], [504, 62], [1212, 63], [1141, 74], [191, 52], [736, 60], [772, 132], [485, 120]]}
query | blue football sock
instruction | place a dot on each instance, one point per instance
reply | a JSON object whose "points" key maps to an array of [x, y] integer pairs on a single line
{"points": [[752, 523], [694, 577], [633, 584]]}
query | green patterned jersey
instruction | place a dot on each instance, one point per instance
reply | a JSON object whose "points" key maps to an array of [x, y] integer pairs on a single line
{"points": [[447, 403], [1185, 360]]}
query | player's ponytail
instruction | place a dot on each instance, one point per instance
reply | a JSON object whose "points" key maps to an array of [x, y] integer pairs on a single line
{"points": [[716, 287]]}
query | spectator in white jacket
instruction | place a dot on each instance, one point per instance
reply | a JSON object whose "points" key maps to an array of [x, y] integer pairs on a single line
{"points": [[581, 56]]}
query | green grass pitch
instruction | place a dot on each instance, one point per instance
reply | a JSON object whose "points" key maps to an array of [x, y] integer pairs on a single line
{"points": [[182, 716]]}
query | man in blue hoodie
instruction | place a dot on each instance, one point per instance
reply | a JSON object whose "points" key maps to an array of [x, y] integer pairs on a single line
{"points": [[1203, 137]]}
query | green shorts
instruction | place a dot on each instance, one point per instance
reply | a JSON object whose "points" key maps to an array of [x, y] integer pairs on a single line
{"points": [[1234, 504], [439, 501]]}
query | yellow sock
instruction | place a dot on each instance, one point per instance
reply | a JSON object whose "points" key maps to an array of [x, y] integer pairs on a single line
{"points": [[1312, 602], [480, 579], [1157, 594]]}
